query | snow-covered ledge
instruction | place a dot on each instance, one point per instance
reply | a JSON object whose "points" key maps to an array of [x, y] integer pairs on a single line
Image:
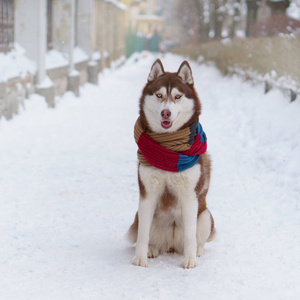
{"points": [[46, 89], [74, 82], [58, 69], [81, 60], [16, 80]]}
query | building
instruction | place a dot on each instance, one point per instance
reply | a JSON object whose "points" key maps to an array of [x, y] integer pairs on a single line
{"points": [[144, 25], [64, 43], [143, 16]]}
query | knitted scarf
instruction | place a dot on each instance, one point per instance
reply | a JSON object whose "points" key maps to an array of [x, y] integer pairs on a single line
{"points": [[173, 152]]}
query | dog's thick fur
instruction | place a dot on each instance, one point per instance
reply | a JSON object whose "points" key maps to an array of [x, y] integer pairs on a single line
{"points": [[172, 214]]}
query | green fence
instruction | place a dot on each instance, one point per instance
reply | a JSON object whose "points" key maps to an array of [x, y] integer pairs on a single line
{"points": [[136, 42]]}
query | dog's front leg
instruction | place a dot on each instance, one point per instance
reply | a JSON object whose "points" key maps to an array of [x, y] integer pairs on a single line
{"points": [[146, 211], [189, 218]]}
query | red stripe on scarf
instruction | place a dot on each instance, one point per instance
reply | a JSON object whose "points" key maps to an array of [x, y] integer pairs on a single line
{"points": [[157, 155], [197, 148]]}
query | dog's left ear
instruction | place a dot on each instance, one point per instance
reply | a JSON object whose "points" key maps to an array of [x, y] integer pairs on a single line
{"points": [[185, 73]]}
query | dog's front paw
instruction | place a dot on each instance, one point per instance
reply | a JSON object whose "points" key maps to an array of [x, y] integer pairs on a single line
{"points": [[140, 261], [152, 252], [189, 263], [200, 250]]}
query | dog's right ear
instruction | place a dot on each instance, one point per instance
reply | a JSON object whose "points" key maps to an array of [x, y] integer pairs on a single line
{"points": [[157, 70]]}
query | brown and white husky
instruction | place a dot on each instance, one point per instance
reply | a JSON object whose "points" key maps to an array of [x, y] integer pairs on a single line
{"points": [[172, 214]]}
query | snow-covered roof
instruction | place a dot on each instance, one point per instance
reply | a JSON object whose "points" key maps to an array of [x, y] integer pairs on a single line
{"points": [[150, 17], [117, 4]]}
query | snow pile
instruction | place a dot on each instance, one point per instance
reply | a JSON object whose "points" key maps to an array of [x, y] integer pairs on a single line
{"points": [[56, 59], [46, 83], [294, 10], [284, 83], [69, 193], [118, 62], [15, 64], [96, 55], [79, 55]]}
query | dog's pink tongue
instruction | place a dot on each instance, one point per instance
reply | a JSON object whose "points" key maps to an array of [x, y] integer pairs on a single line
{"points": [[166, 124]]}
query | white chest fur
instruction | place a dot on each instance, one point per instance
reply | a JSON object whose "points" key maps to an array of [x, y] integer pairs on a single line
{"points": [[180, 184]]}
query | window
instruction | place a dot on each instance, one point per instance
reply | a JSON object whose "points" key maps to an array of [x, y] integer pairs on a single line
{"points": [[6, 25]]}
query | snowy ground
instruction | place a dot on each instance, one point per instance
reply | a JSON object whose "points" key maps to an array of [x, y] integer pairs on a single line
{"points": [[68, 189]]}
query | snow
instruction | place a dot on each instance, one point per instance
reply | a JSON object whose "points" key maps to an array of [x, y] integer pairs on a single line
{"points": [[80, 55], [96, 55], [118, 4], [105, 54], [93, 63], [118, 62], [56, 59], [46, 83], [293, 10], [74, 73], [69, 193], [150, 17], [284, 83], [15, 64]]}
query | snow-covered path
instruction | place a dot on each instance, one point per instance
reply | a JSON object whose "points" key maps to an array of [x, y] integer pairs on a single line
{"points": [[68, 193]]}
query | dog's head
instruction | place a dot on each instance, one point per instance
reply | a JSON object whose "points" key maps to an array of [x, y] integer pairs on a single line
{"points": [[169, 101]]}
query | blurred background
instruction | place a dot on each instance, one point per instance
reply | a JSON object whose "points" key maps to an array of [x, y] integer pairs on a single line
{"points": [[50, 46]]}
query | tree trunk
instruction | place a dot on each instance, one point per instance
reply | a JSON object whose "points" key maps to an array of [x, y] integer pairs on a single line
{"points": [[236, 18], [252, 6], [218, 18], [202, 37]]}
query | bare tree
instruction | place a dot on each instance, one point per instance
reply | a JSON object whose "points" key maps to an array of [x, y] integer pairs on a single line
{"points": [[217, 15], [236, 17], [252, 6], [203, 24]]}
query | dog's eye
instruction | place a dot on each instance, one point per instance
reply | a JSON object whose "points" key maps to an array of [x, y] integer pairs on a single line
{"points": [[178, 97], [159, 95]]}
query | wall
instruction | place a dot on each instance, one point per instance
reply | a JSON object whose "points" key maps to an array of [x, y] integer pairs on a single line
{"points": [[85, 26], [61, 25], [27, 29], [109, 28]]}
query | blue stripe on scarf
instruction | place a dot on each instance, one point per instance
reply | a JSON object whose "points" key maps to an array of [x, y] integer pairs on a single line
{"points": [[201, 133], [186, 161]]}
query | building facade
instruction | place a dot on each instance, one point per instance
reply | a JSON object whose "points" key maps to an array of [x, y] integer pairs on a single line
{"points": [[65, 43]]}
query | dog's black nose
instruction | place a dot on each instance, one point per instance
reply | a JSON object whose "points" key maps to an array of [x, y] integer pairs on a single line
{"points": [[166, 114]]}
